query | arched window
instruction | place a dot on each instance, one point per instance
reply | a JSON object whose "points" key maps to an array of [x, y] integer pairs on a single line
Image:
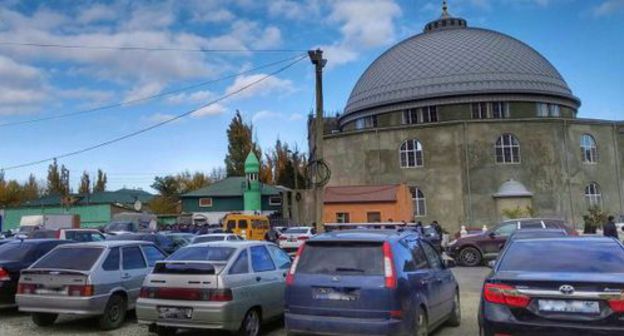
{"points": [[420, 204], [589, 151], [507, 149], [593, 195], [411, 153]]}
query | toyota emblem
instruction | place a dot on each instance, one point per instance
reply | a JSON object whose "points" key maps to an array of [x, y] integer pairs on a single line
{"points": [[566, 289]]}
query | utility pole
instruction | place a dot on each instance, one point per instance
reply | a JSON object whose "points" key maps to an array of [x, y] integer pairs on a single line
{"points": [[316, 57]]}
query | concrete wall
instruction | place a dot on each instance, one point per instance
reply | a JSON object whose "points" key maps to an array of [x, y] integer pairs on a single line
{"points": [[219, 204], [460, 173]]}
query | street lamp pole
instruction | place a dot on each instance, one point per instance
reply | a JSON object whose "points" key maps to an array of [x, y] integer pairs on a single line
{"points": [[316, 57]]}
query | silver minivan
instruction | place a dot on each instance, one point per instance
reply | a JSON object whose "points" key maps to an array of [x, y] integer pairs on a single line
{"points": [[233, 286], [91, 279]]}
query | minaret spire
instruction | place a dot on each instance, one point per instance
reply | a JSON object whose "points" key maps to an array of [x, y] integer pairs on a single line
{"points": [[445, 9]]}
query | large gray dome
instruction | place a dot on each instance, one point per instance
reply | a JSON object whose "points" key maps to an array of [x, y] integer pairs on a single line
{"points": [[456, 61]]}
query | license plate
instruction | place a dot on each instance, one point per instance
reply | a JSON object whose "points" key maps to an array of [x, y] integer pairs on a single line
{"points": [[292, 240], [332, 294], [51, 291], [569, 306], [175, 313]]}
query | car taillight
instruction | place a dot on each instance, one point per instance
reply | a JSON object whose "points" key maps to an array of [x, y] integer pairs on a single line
{"points": [[617, 305], [4, 275], [80, 290], [27, 289], [290, 277], [389, 271], [187, 294], [281, 238], [303, 238], [58, 234], [505, 295]]}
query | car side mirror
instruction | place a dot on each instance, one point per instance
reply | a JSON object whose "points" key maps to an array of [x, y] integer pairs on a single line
{"points": [[449, 263], [491, 263], [492, 234]]}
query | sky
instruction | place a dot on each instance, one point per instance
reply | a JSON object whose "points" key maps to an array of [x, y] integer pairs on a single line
{"points": [[582, 39]]}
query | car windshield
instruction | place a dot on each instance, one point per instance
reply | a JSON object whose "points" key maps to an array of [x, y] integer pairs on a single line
{"points": [[544, 234], [203, 253], [206, 239], [296, 231], [342, 258], [65, 258], [588, 257], [119, 226], [15, 251]]}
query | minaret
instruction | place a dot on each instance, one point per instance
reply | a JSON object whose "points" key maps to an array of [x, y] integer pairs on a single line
{"points": [[252, 197]]}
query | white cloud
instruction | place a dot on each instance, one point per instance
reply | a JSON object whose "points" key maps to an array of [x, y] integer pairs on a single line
{"points": [[22, 88], [369, 23], [213, 109], [192, 97], [271, 37], [294, 10], [143, 90], [296, 117], [96, 96], [608, 7], [263, 88], [338, 55], [97, 13], [160, 117], [264, 114]]}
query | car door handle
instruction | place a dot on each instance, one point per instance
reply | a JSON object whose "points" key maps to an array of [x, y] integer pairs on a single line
{"points": [[126, 276]]}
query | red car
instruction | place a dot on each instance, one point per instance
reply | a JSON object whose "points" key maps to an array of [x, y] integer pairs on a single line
{"points": [[473, 249]]}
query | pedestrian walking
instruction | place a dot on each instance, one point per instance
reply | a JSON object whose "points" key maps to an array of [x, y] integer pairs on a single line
{"points": [[609, 229], [437, 228]]}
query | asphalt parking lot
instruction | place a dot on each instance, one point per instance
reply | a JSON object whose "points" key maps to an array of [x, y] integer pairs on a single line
{"points": [[13, 323]]}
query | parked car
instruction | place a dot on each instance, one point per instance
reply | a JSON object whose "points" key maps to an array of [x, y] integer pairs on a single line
{"points": [[16, 255], [293, 237], [4, 241], [181, 239], [79, 235], [555, 286], [103, 282], [472, 250], [233, 286], [535, 233], [216, 237], [162, 241], [370, 282], [122, 227]]}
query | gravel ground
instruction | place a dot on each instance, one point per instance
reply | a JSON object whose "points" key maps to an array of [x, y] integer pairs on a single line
{"points": [[13, 323]]}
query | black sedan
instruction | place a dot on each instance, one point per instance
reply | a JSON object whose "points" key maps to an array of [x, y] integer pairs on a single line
{"points": [[555, 286], [15, 256], [160, 240]]}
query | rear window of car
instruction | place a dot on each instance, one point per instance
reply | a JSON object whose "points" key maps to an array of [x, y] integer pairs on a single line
{"points": [[202, 253], [296, 231], [208, 239], [342, 258], [66, 258], [588, 257], [16, 251]]}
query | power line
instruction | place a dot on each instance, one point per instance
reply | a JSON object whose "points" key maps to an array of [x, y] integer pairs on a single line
{"points": [[141, 48], [146, 98], [164, 122]]}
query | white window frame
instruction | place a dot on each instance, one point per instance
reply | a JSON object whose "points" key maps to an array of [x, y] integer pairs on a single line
{"points": [[481, 109], [589, 149], [545, 110], [500, 145], [366, 122], [273, 203], [410, 117], [420, 210], [202, 205], [504, 109], [342, 217], [417, 149], [593, 196]]}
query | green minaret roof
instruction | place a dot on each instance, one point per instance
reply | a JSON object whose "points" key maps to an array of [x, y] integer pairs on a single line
{"points": [[252, 165]]}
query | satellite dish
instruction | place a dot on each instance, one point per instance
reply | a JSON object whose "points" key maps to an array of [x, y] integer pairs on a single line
{"points": [[138, 205]]}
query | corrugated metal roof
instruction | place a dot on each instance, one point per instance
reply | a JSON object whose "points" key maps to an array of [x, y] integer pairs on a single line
{"points": [[230, 187], [452, 62], [361, 194], [123, 196]]}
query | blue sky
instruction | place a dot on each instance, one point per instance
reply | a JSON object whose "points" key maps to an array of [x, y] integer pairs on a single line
{"points": [[583, 39]]}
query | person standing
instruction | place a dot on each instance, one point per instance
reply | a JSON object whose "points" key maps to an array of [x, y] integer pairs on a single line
{"points": [[609, 229]]}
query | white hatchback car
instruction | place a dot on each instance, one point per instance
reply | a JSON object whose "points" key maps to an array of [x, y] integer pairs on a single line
{"points": [[292, 238], [214, 237]]}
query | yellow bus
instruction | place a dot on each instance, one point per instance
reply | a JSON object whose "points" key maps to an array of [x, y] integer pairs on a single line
{"points": [[250, 227]]}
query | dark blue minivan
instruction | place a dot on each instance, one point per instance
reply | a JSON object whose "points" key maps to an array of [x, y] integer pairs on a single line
{"points": [[369, 282]]}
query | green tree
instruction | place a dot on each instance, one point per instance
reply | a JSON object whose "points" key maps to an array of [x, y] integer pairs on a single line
{"points": [[100, 182], [31, 189], [54, 186], [85, 183], [188, 182], [240, 142]]}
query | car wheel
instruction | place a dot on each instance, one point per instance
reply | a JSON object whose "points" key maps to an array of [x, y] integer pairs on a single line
{"points": [[251, 324], [455, 317], [114, 313], [421, 324], [44, 319], [469, 256], [165, 331]]}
